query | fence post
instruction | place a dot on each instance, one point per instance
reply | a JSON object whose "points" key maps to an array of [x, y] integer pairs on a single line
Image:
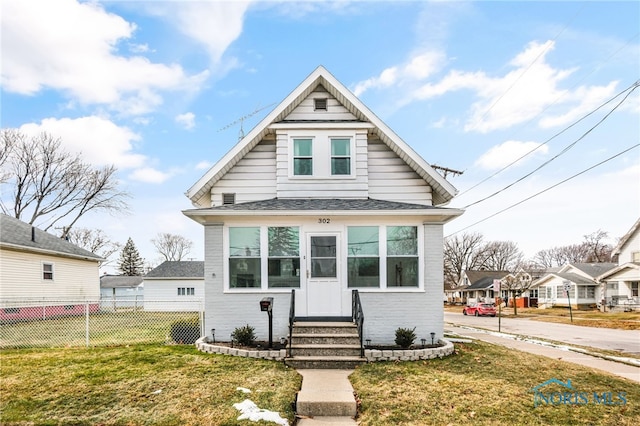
{"points": [[202, 332], [86, 327]]}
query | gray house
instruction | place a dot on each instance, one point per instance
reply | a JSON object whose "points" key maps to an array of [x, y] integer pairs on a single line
{"points": [[323, 198]]}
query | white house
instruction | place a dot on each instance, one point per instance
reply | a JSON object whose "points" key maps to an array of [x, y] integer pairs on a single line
{"points": [[43, 275], [121, 291], [175, 286], [323, 198], [581, 280], [622, 282]]}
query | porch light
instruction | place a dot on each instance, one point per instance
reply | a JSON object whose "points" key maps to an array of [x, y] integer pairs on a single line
{"points": [[231, 335], [368, 342], [283, 340], [433, 335], [424, 342], [213, 334]]}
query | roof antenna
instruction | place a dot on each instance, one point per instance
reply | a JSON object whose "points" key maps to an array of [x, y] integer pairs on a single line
{"points": [[446, 170], [241, 121]]}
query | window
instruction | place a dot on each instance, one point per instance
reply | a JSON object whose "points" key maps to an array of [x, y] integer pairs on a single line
{"points": [[634, 288], [549, 292], [635, 256], [47, 271], [363, 256], [561, 293], [402, 256], [302, 157], [612, 285], [586, 292], [284, 257], [244, 257], [323, 257], [320, 104], [533, 292], [340, 157], [186, 291]]}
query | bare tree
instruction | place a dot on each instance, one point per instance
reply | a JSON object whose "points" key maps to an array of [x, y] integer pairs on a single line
{"points": [[94, 240], [515, 284], [460, 253], [48, 184], [501, 256], [598, 250], [171, 246], [594, 249]]}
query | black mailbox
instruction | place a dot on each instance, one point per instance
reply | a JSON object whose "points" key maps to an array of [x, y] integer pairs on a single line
{"points": [[266, 304]]}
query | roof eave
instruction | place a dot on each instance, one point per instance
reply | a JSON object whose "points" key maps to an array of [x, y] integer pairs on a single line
{"points": [[18, 247]]}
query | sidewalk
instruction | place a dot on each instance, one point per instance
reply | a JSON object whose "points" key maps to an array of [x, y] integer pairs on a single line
{"points": [[326, 398], [564, 353]]}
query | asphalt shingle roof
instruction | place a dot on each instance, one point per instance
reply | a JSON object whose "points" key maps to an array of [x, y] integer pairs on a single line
{"points": [[594, 269], [120, 281], [178, 269], [323, 204], [18, 234]]}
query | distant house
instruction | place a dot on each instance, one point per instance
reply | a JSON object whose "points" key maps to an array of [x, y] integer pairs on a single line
{"points": [[477, 286], [175, 286], [122, 291], [581, 280], [43, 275], [319, 200], [621, 284]]}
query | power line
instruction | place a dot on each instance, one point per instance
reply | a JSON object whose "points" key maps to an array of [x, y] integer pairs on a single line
{"points": [[567, 148], [546, 189]]}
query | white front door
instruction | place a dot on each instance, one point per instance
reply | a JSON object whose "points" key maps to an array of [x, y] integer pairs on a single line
{"points": [[323, 272]]}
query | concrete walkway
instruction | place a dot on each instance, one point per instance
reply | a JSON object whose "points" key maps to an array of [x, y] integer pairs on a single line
{"points": [[326, 398], [564, 353]]}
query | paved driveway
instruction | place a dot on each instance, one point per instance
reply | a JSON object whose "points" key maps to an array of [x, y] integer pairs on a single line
{"points": [[626, 341]]}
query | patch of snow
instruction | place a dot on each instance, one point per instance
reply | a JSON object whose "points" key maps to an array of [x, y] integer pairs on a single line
{"points": [[243, 390], [250, 411]]}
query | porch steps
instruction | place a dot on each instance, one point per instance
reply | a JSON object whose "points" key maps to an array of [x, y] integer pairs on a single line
{"points": [[325, 345]]}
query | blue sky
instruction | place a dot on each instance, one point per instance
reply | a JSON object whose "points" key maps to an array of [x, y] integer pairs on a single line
{"points": [[159, 88]]}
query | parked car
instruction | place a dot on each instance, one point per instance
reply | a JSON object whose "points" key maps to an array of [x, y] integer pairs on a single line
{"points": [[480, 309]]}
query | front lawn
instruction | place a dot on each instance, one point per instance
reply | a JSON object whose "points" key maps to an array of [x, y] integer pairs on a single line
{"points": [[138, 385]]}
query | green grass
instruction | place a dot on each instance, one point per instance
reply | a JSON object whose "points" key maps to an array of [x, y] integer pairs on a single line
{"points": [[484, 384], [108, 328], [115, 386]]}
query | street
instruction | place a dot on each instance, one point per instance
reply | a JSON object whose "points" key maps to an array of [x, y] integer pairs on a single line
{"points": [[624, 341]]}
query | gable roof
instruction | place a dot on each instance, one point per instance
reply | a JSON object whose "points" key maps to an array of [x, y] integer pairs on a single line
{"points": [[177, 269], [591, 269], [120, 281], [626, 238], [442, 190], [611, 274], [18, 235]]}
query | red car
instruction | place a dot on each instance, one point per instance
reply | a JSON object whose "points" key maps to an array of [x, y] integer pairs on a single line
{"points": [[480, 309]]}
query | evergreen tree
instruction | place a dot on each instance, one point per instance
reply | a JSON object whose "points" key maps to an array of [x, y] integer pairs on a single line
{"points": [[130, 262]]}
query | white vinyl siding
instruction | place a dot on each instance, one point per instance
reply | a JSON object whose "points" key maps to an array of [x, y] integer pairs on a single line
{"points": [[252, 179], [22, 276], [390, 178], [306, 109], [164, 294]]}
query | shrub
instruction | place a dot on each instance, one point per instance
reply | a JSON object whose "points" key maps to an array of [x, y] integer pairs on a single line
{"points": [[244, 335], [405, 337], [185, 331]]}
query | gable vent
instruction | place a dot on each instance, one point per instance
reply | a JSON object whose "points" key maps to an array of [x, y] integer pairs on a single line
{"points": [[229, 198], [320, 104]]}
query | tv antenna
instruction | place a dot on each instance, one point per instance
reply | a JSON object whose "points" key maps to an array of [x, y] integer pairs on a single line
{"points": [[446, 170], [241, 120]]}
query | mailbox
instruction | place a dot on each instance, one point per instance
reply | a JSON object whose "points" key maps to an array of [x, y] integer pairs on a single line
{"points": [[266, 304]]}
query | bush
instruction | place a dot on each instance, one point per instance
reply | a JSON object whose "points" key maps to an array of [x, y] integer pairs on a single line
{"points": [[244, 335], [405, 337], [185, 332]]}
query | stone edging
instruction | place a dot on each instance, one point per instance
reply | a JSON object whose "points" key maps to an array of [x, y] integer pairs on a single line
{"points": [[372, 355]]}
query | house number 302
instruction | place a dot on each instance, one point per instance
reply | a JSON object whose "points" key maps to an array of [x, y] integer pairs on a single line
{"points": [[324, 220]]}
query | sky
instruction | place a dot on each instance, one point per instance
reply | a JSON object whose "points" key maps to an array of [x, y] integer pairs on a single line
{"points": [[535, 102]]}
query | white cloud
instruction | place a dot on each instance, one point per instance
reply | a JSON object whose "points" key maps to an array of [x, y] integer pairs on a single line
{"points": [[203, 165], [73, 47], [214, 24], [149, 175], [186, 120], [417, 68], [100, 141], [504, 154]]}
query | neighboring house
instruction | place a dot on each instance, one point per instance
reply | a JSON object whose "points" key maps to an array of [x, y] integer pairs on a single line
{"points": [[323, 198], [120, 291], [175, 286], [43, 275], [585, 290], [621, 283], [477, 286]]}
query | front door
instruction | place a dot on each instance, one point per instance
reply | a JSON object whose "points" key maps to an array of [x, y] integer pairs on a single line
{"points": [[323, 272]]}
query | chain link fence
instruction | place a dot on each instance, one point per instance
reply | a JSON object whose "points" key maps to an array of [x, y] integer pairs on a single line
{"points": [[30, 323]]}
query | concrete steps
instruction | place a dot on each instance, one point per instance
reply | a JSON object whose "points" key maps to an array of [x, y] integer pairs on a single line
{"points": [[325, 345]]}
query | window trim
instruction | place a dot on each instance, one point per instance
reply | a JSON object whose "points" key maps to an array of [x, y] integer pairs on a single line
{"points": [[321, 154], [51, 272]]}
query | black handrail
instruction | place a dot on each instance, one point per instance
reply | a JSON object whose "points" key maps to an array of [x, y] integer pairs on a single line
{"points": [[357, 316], [292, 317]]}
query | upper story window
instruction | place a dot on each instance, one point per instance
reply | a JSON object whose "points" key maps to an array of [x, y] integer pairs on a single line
{"points": [[340, 156], [47, 271], [303, 157]]}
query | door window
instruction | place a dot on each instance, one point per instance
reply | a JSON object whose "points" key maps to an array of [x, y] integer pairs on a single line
{"points": [[323, 257]]}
